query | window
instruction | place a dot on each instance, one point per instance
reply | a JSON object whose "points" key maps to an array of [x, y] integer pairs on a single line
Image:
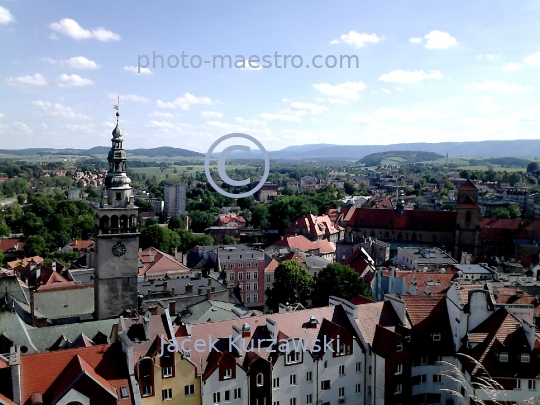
{"points": [[255, 274], [437, 378], [275, 403], [268, 278], [358, 388], [166, 395], [255, 297], [124, 392], [248, 275], [189, 390], [292, 379], [240, 275], [341, 370], [341, 391], [275, 383], [240, 264], [231, 276], [343, 350], [369, 370], [325, 385], [167, 372], [237, 393], [326, 364], [532, 384], [293, 357], [517, 384], [398, 389], [217, 398], [503, 357], [255, 286], [358, 367], [399, 369], [525, 357], [146, 390], [309, 399], [227, 396], [309, 376], [248, 298], [436, 337], [260, 380], [293, 401], [248, 286], [241, 286], [399, 347], [228, 373]]}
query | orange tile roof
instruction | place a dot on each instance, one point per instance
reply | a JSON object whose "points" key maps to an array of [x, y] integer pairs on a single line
{"points": [[272, 266], [40, 371]]}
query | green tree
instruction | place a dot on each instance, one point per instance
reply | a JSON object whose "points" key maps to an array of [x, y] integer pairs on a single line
{"points": [[229, 240], [1, 257], [259, 216], [533, 167], [292, 283], [35, 246], [349, 188], [514, 211], [176, 222], [338, 280], [200, 220], [161, 238], [145, 206], [500, 213]]}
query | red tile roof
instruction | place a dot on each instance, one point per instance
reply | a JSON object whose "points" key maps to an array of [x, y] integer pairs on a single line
{"points": [[467, 186], [45, 372], [272, 266], [436, 221], [305, 245], [157, 263], [468, 203]]}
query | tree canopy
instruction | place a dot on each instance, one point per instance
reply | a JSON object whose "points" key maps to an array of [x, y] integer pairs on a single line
{"points": [[338, 280], [292, 283]]}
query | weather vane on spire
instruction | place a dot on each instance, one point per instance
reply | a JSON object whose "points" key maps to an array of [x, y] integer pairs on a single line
{"points": [[117, 108]]}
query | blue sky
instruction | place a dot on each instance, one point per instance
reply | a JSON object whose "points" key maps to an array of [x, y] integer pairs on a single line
{"points": [[428, 71]]}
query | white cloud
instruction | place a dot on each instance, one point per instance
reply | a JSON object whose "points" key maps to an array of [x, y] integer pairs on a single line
{"points": [[15, 129], [161, 114], [453, 101], [439, 40], [337, 101], [72, 81], [2, 115], [128, 97], [280, 117], [511, 66], [48, 60], [5, 16], [415, 40], [184, 102], [135, 69], [529, 116], [486, 105], [59, 111], [80, 62], [406, 76], [211, 114], [89, 129], [486, 56], [358, 40], [71, 28], [501, 87], [320, 100], [159, 124], [249, 67], [298, 108], [26, 81], [533, 60], [286, 100], [385, 91], [347, 90]]}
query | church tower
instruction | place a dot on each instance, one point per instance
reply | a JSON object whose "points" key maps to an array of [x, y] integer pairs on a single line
{"points": [[117, 238]]}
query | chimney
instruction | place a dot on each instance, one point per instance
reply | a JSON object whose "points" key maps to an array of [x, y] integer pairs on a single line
{"points": [[246, 330], [149, 292], [172, 307], [146, 325], [164, 286], [313, 322], [208, 294], [172, 291], [199, 290], [213, 289], [189, 288], [36, 399], [53, 266], [209, 280]]}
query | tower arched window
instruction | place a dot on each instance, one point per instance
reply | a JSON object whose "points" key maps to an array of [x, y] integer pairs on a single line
{"points": [[468, 218], [260, 380]]}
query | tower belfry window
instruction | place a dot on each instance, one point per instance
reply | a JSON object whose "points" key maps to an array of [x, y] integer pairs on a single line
{"points": [[118, 196]]}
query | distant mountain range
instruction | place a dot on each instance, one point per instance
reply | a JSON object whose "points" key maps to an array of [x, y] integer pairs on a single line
{"points": [[515, 148], [163, 151]]}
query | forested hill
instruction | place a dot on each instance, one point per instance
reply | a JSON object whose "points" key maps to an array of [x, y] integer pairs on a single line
{"points": [[398, 157]]}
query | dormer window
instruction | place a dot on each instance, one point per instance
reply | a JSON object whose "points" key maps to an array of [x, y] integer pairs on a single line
{"points": [[503, 357], [525, 357], [399, 347], [228, 373], [293, 357], [436, 337], [343, 350]]}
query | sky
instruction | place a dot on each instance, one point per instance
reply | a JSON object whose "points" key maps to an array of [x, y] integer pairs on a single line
{"points": [[420, 71]]}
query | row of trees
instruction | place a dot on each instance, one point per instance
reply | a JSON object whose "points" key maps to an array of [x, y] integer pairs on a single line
{"points": [[293, 283]]}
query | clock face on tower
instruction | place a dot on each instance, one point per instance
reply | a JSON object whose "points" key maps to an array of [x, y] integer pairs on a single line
{"points": [[118, 249]]}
